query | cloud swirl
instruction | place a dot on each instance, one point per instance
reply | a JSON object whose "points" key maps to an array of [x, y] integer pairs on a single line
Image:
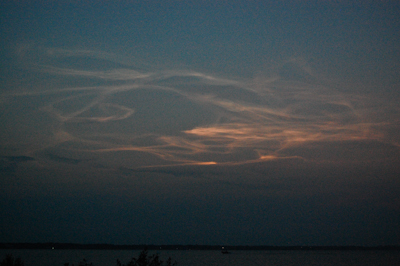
{"points": [[179, 117]]}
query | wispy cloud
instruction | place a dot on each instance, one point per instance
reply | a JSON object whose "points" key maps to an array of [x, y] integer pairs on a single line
{"points": [[246, 120]]}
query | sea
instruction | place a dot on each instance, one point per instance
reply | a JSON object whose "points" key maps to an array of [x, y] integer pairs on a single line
{"points": [[40, 257]]}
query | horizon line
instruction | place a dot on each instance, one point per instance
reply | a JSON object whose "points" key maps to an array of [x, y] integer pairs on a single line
{"points": [[104, 246]]}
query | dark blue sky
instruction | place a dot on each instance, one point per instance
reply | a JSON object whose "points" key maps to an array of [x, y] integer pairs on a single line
{"points": [[200, 122]]}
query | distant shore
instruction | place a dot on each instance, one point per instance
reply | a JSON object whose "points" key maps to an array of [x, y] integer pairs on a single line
{"points": [[183, 247]]}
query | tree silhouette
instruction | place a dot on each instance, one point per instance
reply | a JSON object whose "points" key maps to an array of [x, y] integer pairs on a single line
{"points": [[10, 261], [147, 260], [142, 260]]}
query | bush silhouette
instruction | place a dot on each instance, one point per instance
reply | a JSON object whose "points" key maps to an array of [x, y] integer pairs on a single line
{"points": [[10, 261], [142, 260], [147, 260], [84, 262]]}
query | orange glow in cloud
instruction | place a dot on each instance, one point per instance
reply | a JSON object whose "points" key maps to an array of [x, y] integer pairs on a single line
{"points": [[206, 163], [268, 157], [250, 121]]}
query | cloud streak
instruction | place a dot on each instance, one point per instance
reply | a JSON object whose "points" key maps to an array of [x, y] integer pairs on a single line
{"points": [[234, 121]]}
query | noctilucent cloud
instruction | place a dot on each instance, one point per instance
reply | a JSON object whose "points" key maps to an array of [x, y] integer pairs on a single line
{"points": [[194, 122]]}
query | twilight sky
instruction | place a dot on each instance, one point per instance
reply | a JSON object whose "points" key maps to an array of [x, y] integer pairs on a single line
{"points": [[200, 122]]}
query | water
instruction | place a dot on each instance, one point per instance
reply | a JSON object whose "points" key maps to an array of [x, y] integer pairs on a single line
{"points": [[211, 258]]}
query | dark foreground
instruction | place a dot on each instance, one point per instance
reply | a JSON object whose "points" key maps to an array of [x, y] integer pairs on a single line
{"points": [[102, 257]]}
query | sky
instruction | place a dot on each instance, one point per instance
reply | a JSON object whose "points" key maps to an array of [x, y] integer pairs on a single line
{"points": [[200, 122]]}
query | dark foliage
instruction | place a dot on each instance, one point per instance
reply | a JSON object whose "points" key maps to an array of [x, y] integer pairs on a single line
{"points": [[142, 260], [147, 260], [10, 261], [84, 262]]}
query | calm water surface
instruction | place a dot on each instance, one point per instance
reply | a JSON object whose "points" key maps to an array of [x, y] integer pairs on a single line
{"points": [[210, 258]]}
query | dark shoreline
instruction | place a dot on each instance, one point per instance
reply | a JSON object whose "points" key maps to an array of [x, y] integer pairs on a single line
{"points": [[182, 247]]}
